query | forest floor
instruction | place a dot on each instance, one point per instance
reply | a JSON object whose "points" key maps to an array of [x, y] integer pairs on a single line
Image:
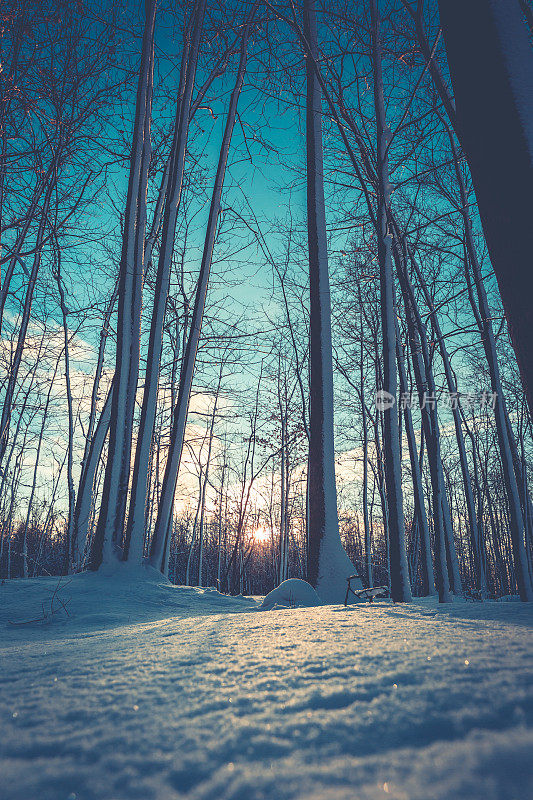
{"points": [[146, 690]]}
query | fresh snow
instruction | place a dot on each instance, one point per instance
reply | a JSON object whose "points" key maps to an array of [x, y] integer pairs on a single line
{"points": [[152, 691]]}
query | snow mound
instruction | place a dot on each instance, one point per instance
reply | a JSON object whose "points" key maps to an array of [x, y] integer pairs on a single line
{"points": [[117, 595], [293, 593]]}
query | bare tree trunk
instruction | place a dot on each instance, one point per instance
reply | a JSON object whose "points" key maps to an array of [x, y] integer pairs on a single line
{"points": [[426, 393], [84, 500], [399, 570], [282, 574], [368, 530], [104, 333], [206, 477], [493, 86], [483, 316], [328, 564], [194, 526], [451, 382], [71, 555], [110, 529], [160, 540], [219, 528], [428, 583], [133, 545]]}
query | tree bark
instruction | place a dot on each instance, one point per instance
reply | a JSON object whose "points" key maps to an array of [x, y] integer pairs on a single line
{"points": [[328, 564], [493, 87]]}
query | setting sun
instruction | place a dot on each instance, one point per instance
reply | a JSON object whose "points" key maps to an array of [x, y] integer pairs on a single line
{"points": [[261, 534]]}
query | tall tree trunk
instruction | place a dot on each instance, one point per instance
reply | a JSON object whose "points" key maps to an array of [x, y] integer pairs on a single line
{"points": [[206, 478], [428, 582], [71, 555], [133, 546], [282, 573], [399, 570], [493, 87], [328, 564], [104, 333], [475, 536], [84, 499], [366, 520], [160, 539], [426, 393], [431, 437], [483, 316], [110, 528]]}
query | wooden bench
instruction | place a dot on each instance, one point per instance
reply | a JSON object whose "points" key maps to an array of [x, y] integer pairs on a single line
{"points": [[365, 594]]}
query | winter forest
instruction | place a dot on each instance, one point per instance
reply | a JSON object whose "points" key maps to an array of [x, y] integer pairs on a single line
{"points": [[266, 387]]}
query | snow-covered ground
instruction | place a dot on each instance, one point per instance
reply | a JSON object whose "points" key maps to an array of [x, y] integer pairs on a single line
{"points": [[152, 691]]}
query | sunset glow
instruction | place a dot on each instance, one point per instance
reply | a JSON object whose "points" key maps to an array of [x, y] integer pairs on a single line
{"points": [[261, 534]]}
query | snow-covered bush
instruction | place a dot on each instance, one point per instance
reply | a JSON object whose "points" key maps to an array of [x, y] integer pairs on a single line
{"points": [[293, 593]]}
